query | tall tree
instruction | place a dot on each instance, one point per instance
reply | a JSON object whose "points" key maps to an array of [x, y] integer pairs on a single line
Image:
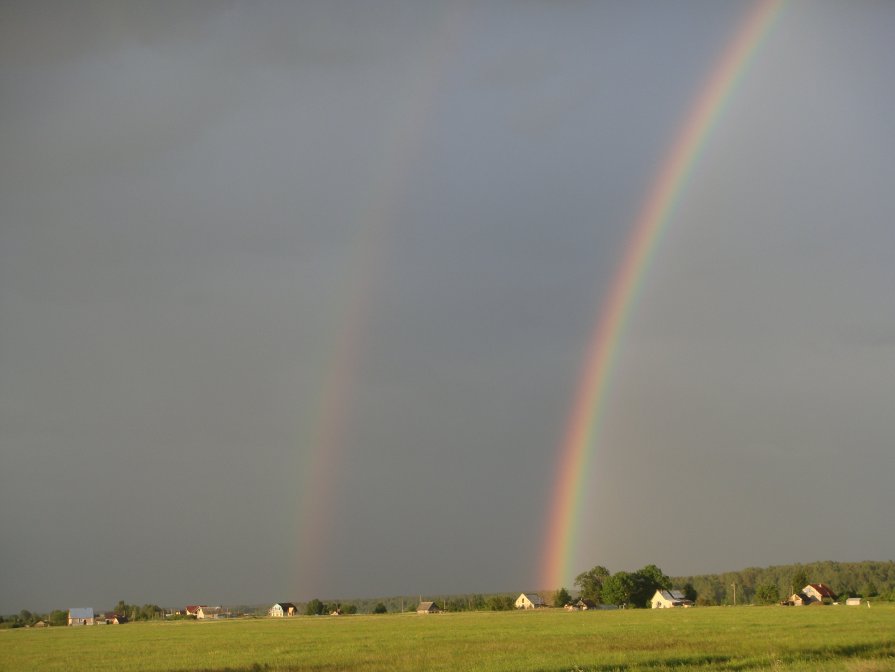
{"points": [[799, 579], [646, 582], [315, 608], [562, 598], [767, 593], [618, 589], [590, 583]]}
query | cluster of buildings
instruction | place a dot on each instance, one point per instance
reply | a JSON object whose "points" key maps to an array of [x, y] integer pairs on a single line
{"points": [[817, 593], [813, 593], [85, 616]]}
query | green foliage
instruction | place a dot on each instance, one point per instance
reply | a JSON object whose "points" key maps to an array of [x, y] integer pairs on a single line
{"points": [[380, 608], [619, 588], [315, 608], [647, 581], [799, 579], [59, 617], [562, 598], [501, 603], [842, 577], [590, 583], [766, 593]]}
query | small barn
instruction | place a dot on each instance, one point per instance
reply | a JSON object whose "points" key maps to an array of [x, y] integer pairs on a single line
{"points": [[192, 610], [81, 616], [853, 602], [799, 600], [669, 599], [427, 608], [282, 610], [111, 618], [581, 605], [529, 601]]}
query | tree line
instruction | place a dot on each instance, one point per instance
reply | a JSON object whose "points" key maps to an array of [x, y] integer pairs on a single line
{"points": [[754, 585], [765, 585], [625, 589]]}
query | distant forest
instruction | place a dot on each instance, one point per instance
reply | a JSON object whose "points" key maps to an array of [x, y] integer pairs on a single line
{"points": [[869, 579]]}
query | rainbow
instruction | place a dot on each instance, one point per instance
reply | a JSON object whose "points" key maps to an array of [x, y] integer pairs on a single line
{"points": [[585, 419]]}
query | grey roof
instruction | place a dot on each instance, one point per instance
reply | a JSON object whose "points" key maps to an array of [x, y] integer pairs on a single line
{"points": [[534, 598], [81, 612], [672, 594]]}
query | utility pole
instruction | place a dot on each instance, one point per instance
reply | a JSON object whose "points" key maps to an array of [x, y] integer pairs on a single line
{"points": [[734, 593]]}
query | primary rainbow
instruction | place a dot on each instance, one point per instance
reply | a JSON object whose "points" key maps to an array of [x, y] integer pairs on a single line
{"points": [[585, 420]]}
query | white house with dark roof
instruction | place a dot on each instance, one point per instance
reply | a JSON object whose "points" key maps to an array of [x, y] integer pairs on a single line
{"points": [[529, 601], [669, 599], [282, 609]]}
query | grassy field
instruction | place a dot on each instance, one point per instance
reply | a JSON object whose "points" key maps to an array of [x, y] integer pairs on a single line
{"points": [[723, 638]]}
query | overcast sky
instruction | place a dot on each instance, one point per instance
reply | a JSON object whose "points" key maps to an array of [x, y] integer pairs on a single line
{"points": [[294, 297]]}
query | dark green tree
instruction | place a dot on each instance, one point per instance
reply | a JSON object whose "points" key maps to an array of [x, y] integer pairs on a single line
{"points": [[315, 608], [646, 582], [767, 593], [799, 579], [590, 583], [380, 608], [618, 589], [562, 598], [58, 617], [500, 603], [690, 592]]}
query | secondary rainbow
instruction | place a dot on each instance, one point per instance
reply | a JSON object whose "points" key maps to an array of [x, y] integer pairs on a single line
{"points": [[322, 443], [585, 420]]}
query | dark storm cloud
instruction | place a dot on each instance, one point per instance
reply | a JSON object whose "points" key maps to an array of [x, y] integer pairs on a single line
{"points": [[185, 192]]}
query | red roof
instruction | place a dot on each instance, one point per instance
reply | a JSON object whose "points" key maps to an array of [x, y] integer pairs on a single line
{"points": [[822, 590], [193, 608]]}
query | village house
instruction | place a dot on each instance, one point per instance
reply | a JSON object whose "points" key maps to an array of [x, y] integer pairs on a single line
{"points": [[111, 618], [282, 609], [529, 601], [209, 612], [813, 593], [427, 608], [669, 599], [818, 592], [192, 610], [798, 600], [81, 616]]}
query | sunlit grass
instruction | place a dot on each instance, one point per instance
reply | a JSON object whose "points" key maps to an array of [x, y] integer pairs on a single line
{"points": [[767, 638]]}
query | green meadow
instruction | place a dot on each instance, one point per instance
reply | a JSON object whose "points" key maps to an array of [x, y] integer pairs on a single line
{"points": [[859, 639]]}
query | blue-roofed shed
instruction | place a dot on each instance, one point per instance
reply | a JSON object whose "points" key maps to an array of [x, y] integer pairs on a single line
{"points": [[81, 616]]}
